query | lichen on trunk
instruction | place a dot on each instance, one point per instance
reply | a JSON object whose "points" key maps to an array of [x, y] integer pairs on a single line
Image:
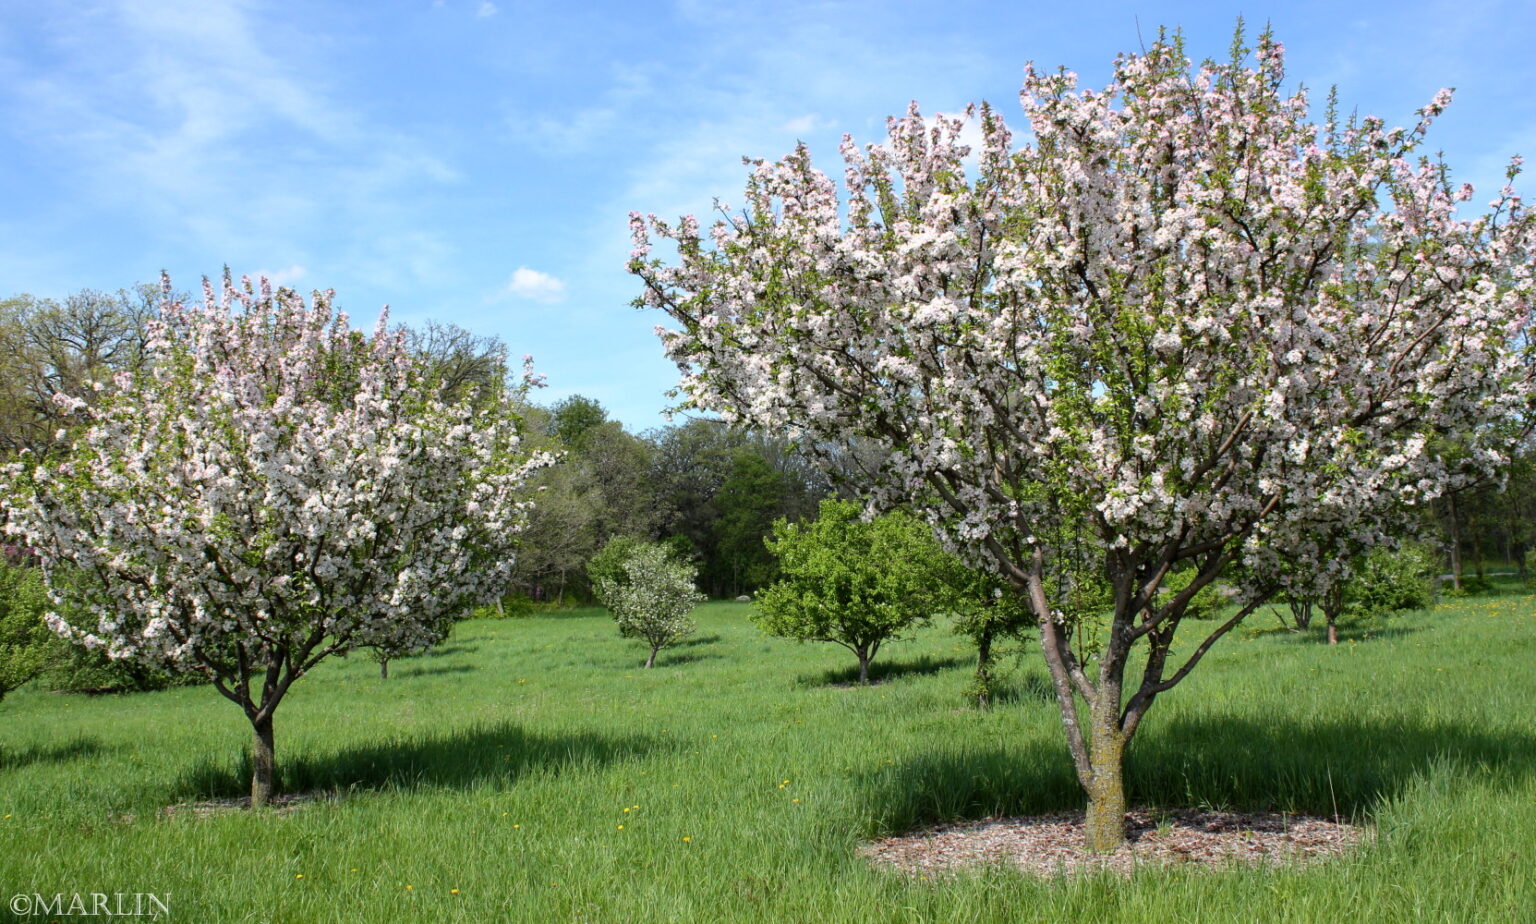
{"points": [[263, 763], [1105, 827]]}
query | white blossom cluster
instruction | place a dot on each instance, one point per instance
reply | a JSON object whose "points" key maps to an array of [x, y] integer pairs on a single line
{"points": [[273, 487], [1183, 313]]}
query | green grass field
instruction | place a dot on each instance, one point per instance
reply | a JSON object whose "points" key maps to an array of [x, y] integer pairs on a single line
{"points": [[531, 766]]}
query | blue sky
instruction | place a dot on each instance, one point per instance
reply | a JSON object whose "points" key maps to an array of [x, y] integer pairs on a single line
{"points": [[474, 161]]}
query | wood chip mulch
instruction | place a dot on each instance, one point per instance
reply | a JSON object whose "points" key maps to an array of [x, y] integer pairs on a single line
{"points": [[1054, 845]]}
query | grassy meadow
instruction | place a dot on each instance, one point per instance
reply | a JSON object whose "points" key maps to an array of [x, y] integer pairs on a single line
{"points": [[530, 771]]}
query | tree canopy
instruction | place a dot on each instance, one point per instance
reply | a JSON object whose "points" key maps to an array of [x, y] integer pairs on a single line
{"points": [[272, 488], [1183, 327]]}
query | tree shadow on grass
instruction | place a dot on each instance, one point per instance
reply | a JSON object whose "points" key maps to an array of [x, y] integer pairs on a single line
{"points": [[881, 671], [1022, 688], [1367, 631], [446, 650], [415, 671], [15, 758], [695, 640], [1317, 634], [499, 753], [668, 658], [1346, 767]]}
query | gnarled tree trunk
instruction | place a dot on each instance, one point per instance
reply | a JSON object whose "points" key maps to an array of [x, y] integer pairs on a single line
{"points": [[1105, 826], [263, 763]]}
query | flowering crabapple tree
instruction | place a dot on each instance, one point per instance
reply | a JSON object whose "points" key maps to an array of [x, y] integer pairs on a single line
{"points": [[649, 592], [1184, 328], [274, 488]]}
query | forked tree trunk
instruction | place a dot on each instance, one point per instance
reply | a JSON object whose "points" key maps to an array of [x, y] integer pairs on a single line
{"points": [[1333, 608], [263, 763], [651, 661], [1098, 751], [1301, 615]]}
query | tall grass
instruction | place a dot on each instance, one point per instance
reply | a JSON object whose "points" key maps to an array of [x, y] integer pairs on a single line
{"points": [[501, 766]]}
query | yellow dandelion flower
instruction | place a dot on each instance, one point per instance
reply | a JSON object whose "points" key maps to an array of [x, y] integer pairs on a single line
{"points": [[352, 870], [626, 810], [687, 839], [453, 891], [517, 826], [410, 888], [621, 827], [298, 875]]}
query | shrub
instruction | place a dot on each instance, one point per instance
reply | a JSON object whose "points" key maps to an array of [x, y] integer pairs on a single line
{"points": [[1392, 580]]}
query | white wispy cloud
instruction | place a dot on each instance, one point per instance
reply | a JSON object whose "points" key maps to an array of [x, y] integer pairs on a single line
{"points": [[566, 133], [756, 98], [215, 126], [571, 129], [485, 9], [287, 276], [536, 286]]}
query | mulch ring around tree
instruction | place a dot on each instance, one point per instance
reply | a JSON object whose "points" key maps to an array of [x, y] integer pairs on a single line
{"points": [[1054, 845]]}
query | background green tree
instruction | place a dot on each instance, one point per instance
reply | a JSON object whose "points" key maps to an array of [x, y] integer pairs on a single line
{"points": [[27, 647], [853, 582]]}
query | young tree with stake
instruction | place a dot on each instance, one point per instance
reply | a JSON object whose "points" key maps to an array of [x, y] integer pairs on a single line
{"points": [[274, 488], [1184, 318]]}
